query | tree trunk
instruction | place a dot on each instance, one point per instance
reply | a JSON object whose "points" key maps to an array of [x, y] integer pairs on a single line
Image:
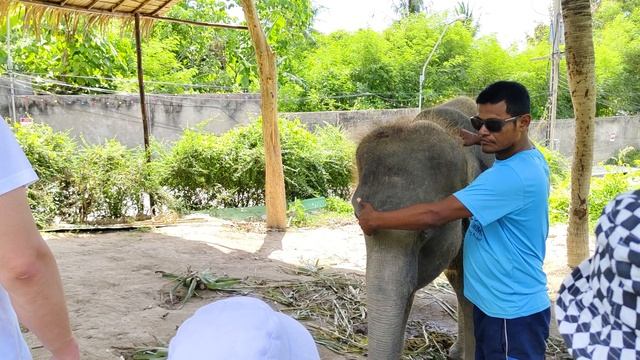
{"points": [[275, 199], [580, 64]]}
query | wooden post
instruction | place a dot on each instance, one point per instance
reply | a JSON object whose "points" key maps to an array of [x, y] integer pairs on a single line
{"points": [[275, 197], [143, 102]]}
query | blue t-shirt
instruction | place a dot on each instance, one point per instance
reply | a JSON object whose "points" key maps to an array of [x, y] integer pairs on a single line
{"points": [[504, 247]]}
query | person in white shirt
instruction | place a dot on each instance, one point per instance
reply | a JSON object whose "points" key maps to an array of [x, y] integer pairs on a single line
{"points": [[30, 284]]}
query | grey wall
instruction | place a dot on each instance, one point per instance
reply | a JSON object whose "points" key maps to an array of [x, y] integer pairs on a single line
{"points": [[100, 117], [611, 133]]}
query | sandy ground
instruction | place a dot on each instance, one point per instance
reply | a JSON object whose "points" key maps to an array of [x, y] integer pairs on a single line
{"points": [[113, 290]]}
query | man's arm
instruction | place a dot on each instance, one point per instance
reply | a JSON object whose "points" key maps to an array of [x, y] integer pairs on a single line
{"points": [[30, 275], [415, 217]]}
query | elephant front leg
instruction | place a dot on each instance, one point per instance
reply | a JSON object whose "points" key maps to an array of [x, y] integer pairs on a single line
{"points": [[464, 347]]}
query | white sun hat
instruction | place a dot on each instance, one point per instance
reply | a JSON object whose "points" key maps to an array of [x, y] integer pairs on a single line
{"points": [[598, 305], [241, 328]]}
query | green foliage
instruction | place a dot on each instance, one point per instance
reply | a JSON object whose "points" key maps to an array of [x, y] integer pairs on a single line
{"points": [[297, 214], [204, 170], [603, 189], [628, 156], [338, 205], [109, 180], [559, 201], [76, 184], [338, 71], [558, 166], [190, 169], [51, 155]]}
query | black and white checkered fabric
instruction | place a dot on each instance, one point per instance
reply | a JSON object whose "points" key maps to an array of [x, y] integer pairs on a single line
{"points": [[598, 305]]}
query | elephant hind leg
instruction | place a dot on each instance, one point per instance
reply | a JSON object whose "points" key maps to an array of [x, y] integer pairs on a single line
{"points": [[464, 347]]}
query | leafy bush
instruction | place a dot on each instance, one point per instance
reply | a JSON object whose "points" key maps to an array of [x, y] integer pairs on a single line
{"points": [[558, 166], [51, 155], [109, 180], [628, 156], [80, 184], [339, 205], [189, 169], [204, 170], [201, 170], [297, 214], [559, 201], [602, 191]]}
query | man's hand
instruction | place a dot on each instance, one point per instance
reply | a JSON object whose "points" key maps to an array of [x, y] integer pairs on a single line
{"points": [[366, 218], [469, 138]]}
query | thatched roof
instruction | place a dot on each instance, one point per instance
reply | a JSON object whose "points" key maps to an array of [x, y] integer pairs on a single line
{"points": [[94, 12]]}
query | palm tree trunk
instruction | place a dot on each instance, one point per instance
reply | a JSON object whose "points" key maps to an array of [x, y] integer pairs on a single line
{"points": [[580, 65]]}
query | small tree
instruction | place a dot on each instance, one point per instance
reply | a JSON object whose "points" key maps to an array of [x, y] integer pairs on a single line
{"points": [[581, 70]]}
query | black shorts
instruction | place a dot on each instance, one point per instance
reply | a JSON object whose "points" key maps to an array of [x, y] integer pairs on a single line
{"points": [[523, 338]]}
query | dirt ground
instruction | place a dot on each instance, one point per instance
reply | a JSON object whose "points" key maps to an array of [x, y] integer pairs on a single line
{"points": [[113, 290]]}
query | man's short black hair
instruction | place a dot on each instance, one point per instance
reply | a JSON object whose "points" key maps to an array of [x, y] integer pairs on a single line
{"points": [[514, 94]]}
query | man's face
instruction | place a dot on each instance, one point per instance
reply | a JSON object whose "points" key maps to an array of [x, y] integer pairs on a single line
{"points": [[503, 140]]}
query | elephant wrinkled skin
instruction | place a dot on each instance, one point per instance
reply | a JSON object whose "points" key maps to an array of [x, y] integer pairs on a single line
{"points": [[401, 164]]}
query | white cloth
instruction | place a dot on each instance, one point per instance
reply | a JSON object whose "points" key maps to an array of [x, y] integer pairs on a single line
{"points": [[15, 171], [241, 328]]}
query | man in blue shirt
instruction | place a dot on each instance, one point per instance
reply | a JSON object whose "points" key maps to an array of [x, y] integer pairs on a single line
{"points": [[504, 247]]}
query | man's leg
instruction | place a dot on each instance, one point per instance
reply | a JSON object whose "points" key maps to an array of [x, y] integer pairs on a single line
{"points": [[522, 338], [527, 336]]}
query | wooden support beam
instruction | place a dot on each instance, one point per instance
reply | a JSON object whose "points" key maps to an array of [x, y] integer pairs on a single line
{"points": [[275, 198], [143, 101], [114, 13]]}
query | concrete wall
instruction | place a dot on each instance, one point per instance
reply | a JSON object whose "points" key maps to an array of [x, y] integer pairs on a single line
{"points": [[611, 133], [99, 117]]}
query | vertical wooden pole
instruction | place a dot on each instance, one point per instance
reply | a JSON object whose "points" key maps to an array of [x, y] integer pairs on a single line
{"points": [[143, 102], [275, 197]]}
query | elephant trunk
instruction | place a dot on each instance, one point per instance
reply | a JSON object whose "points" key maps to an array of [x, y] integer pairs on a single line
{"points": [[391, 282]]}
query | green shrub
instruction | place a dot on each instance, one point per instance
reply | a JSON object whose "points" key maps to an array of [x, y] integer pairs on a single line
{"points": [[559, 201], [201, 170], [338, 205], [204, 170], [338, 154], [602, 190], [79, 184], [558, 166], [628, 156], [297, 215], [189, 169], [51, 155], [109, 180]]}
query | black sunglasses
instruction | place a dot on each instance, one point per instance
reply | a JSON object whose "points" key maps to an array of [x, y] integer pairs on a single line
{"points": [[493, 125]]}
